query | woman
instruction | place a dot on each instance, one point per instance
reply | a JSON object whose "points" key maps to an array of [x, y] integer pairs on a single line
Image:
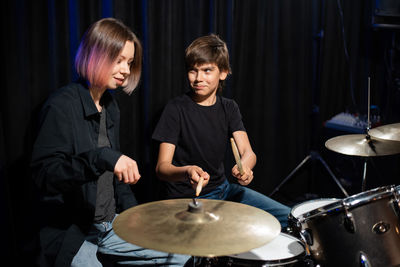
{"points": [[76, 157]]}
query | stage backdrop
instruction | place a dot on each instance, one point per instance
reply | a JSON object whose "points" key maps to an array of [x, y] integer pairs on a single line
{"points": [[295, 64]]}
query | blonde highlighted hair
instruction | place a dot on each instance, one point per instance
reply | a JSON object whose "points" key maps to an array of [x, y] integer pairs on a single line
{"points": [[100, 47]]}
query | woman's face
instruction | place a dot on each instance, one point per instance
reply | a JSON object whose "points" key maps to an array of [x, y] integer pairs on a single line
{"points": [[121, 67]]}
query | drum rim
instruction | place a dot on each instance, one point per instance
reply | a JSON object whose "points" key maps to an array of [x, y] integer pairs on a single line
{"points": [[316, 210], [347, 203], [288, 260], [364, 197]]}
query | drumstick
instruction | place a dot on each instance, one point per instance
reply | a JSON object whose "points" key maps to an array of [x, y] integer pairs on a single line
{"points": [[199, 186], [237, 156]]}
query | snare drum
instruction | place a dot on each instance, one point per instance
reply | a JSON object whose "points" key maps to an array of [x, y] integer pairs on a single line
{"points": [[284, 250], [361, 230]]}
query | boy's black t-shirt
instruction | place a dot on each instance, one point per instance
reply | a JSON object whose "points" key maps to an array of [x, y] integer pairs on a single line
{"points": [[200, 135]]}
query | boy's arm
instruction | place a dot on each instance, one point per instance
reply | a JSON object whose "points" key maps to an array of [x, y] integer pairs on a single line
{"points": [[167, 171], [247, 156]]}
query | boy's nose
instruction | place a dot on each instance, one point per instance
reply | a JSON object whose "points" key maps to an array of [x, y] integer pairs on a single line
{"points": [[199, 76]]}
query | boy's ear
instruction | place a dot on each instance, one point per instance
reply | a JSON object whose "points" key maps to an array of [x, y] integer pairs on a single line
{"points": [[223, 74]]}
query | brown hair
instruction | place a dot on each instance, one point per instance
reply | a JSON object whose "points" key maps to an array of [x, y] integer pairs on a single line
{"points": [[100, 47], [208, 49]]}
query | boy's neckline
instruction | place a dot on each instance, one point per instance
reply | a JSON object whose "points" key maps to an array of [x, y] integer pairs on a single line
{"points": [[202, 103]]}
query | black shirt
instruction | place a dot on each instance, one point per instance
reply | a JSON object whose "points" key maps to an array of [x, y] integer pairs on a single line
{"points": [[200, 135], [66, 164]]}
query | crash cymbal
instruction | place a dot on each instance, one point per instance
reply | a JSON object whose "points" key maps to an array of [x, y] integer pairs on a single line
{"points": [[212, 228], [360, 145], [387, 132]]}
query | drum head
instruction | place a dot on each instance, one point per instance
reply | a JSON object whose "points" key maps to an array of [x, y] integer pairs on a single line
{"points": [[310, 205], [282, 248]]}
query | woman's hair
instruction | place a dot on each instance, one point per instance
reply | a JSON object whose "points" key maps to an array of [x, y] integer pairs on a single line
{"points": [[100, 46], [208, 49]]}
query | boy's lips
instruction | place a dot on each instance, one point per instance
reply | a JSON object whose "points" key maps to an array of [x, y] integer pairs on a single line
{"points": [[199, 87]]}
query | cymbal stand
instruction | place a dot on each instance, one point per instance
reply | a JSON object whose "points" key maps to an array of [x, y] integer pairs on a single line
{"points": [[368, 137], [312, 155], [317, 61]]}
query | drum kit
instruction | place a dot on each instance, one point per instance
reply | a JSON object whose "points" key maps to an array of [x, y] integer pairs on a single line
{"points": [[359, 230]]}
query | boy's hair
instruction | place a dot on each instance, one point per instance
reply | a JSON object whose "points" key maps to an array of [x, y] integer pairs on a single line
{"points": [[100, 47], [208, 49]]}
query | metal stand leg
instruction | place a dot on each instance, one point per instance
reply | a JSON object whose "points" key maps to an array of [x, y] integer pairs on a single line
{"points": [[313, 155], [364, 176]]}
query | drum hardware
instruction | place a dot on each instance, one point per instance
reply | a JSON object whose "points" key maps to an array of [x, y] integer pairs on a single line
{"points": [[313, 156], [365, 145], [306, 236], [396, 201], [380, 228], [364, 262], [348, 222], [209, 228], [361, 230]]}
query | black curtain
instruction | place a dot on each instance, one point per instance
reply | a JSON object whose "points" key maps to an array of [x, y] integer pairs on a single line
{"points": [[295, 64]]}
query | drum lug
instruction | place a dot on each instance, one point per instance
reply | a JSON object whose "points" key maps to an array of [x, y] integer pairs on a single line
{"points": [[364, 262], [380, 228], [306, 236], [349, 223], [396, 205]]}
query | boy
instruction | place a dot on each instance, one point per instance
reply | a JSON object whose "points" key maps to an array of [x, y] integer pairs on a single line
{"points": [[194, 130]]}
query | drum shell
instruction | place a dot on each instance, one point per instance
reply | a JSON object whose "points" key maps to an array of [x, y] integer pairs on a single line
{"points": [[346, 230]]}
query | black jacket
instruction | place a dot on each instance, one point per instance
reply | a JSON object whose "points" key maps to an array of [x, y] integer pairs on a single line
{"points": [[66, 164]]}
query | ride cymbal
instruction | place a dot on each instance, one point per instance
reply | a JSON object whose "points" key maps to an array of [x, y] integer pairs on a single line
{"points": [[211, 228], [361, 145], [386, 132]]}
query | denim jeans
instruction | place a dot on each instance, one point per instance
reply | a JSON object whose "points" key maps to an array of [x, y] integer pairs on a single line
{"points": [[242, 194], [102, 239]]}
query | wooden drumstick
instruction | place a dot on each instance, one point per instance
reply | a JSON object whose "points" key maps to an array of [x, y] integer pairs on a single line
{"points": [[199, 186], [237, 156]]}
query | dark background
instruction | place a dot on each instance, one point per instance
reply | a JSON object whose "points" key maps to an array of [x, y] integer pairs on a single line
{"points": [[295, 65]]}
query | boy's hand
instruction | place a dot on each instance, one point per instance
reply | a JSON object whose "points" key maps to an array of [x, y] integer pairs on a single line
{"points": [[247, 176], [194, 173]]}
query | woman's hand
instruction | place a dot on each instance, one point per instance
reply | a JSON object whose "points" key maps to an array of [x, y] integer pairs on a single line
{"points": [[126, 170]]}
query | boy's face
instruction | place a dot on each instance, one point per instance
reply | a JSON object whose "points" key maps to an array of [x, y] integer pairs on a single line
{"points": [[204, 79]]}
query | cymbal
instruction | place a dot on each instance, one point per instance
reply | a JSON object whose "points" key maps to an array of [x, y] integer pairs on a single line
{"points": [[360, 145], [212, 228], [387, 132]]}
